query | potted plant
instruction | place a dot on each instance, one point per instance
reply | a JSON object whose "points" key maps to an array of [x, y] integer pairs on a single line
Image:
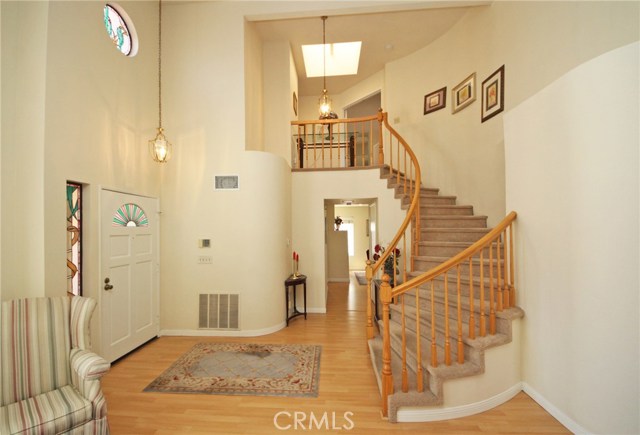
{"points": [[389, 263], [337, 221]]}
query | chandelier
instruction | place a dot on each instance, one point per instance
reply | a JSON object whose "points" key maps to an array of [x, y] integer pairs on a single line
{"points": [[160, 147]]}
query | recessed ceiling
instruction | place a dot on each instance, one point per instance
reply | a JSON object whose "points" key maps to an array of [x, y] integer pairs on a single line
{"points": [[385, 37]]}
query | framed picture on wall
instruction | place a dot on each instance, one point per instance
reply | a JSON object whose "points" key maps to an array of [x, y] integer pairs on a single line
{"points": [[493, 94], [295, 104], [435, 100], [464, 93]]}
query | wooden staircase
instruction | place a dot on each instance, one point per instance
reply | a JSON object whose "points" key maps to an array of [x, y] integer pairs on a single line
{"points": [[450, 347]]}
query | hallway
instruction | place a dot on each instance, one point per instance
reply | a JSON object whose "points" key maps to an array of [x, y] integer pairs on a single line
{"points": [[348, 391]]}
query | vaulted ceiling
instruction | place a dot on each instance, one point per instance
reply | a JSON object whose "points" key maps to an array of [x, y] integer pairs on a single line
{"points": [[385, 36]]}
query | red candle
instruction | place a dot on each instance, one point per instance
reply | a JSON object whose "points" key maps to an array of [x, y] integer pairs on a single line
{"points": [[294, 255]]}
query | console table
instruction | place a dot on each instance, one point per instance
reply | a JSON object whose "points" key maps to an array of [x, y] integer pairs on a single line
{"points": [[291, 283]]}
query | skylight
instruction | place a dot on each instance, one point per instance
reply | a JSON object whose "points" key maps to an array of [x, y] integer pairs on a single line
{"points": [[342, 58]]}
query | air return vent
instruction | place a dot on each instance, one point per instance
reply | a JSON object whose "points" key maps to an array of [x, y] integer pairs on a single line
{"points": [[218, 311], [226, 182]]}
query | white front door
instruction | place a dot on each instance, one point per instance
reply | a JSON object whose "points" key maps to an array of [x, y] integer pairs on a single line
{"points": [[129, 272]]}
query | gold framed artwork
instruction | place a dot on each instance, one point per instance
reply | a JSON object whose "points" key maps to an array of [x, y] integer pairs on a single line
{"points": [[493, 94], [463, 94], [435, 100]]}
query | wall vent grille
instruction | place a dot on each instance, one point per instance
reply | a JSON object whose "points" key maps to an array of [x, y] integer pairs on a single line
{"points": [[219, 311], [226, 182]]}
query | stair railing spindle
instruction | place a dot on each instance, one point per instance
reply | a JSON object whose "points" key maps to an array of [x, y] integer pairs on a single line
{"points": [[459, 313], [381, 138], [505, 260], [472, 314], [362, 144], [387, 376], [369, 276], [405, 374], [492, 313], [447, 343], [419, 379], [483, 325], [512, 268], [434, 347], [499, 260]]}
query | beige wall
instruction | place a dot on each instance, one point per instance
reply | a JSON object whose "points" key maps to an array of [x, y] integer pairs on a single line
{"points": [[85, 114], [359, 216], [254, 125], [249, 228], [277, 107], [309, 190], [572, 175], [537, 41], [337, 256], [24, 58]]}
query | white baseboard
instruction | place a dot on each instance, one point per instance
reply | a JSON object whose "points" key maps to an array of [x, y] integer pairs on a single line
{"points": [[317, 310], [413, 415], [565, 420], [221, 332]]}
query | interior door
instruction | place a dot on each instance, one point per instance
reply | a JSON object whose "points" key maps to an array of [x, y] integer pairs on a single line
{"points": [[129, 272]]}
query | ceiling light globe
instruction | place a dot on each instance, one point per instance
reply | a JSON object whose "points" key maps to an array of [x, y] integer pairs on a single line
{"points": [[324, 104], [160, 148]]}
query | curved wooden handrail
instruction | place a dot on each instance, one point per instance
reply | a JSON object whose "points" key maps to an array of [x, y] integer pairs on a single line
{"points": [[469, 252], [415, 200], [336, 121]]}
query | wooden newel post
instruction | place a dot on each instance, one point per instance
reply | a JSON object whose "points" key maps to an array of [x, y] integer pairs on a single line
{"points": [[369, 276], [380, 137], [387, 377]]}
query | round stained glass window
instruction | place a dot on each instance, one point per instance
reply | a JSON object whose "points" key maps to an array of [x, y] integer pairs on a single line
{"points": [[120, 29]]}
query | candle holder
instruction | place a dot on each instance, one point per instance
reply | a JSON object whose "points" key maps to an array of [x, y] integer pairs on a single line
{"points": [[296, 259]]}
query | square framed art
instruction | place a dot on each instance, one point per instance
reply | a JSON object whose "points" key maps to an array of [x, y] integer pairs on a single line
{"points": [[493, 94], [463, 94], [435, 100]]}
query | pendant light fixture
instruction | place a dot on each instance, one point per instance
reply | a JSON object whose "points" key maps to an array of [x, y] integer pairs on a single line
{"points": [[324, 103], [160, 147]]}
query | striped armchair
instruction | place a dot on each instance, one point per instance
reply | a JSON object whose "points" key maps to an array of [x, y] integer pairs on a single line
{"points": [[50, 380]]}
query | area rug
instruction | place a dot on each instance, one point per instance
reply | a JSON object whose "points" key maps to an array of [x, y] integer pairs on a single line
{"points": [[291, 370], [361, 277]]}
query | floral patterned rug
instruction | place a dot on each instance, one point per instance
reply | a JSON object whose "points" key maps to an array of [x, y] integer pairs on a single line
{"points": [[244, 369]]}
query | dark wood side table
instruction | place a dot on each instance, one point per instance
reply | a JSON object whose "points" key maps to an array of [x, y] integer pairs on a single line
{"points": [[291, 283]]}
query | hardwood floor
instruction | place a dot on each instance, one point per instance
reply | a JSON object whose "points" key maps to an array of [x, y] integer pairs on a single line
{"points": [[348, 392]]}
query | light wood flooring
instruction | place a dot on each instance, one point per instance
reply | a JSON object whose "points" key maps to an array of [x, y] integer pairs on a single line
{"points": [[348, 391]]}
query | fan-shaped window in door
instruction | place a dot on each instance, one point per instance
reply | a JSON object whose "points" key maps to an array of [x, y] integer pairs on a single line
{"points": [[130, 215]]}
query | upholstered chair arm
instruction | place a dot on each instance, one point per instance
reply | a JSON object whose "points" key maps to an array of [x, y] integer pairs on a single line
{"points": [[86, 370], [88, 366]]}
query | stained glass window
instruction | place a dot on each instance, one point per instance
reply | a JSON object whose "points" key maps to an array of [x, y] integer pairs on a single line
{"points": [[130, 215], [74, 238], [120, 29]]}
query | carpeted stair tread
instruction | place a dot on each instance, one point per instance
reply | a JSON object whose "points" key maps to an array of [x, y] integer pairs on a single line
{"points": [[446, 210], [453, 234], [453, 221], [447, 249]]}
